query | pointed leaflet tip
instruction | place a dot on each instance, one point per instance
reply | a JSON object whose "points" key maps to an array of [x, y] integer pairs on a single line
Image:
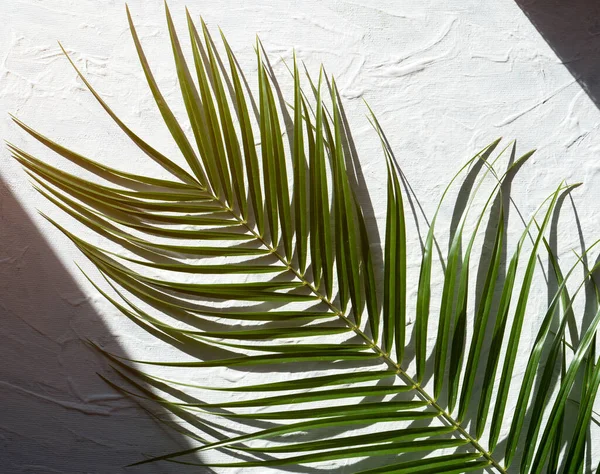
{"points": [[63, 49], [128, 16]]}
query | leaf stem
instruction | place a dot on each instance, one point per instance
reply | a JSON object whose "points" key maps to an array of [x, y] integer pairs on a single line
{"points": [[386, 358]]}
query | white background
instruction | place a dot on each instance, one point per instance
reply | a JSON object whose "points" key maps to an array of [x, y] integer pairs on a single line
{"points": [[445, 78]]}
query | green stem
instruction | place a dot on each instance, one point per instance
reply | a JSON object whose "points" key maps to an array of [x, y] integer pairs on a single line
{"points": [[390, 362]]}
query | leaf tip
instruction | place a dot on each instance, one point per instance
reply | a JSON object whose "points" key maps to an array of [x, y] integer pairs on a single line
{"points": [[188, 15], [62, 48]]}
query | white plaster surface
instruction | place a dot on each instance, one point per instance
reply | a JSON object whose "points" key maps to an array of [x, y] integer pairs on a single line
{"points": [[444, 77]]}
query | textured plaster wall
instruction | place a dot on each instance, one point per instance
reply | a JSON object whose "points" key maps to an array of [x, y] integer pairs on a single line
{"points": [[444, 77]]}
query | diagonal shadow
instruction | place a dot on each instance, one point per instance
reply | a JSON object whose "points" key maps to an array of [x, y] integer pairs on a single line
{"points": [[56, 414], [572, 30]]}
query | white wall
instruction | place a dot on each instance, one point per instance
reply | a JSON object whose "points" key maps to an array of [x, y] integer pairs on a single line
{"points": [[444, 77]]}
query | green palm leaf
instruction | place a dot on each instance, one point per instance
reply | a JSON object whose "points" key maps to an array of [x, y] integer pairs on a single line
{"points": [[289, 221]]}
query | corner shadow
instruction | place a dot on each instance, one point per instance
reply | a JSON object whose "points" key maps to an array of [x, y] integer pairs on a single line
{"points": [[56, 414], [572, 30]]}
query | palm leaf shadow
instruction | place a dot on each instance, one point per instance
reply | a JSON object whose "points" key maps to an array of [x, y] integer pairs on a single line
{"points": [[49, 374]]}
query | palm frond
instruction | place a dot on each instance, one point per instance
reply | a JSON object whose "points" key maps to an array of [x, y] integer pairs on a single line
{"points": [[290, 222]]}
